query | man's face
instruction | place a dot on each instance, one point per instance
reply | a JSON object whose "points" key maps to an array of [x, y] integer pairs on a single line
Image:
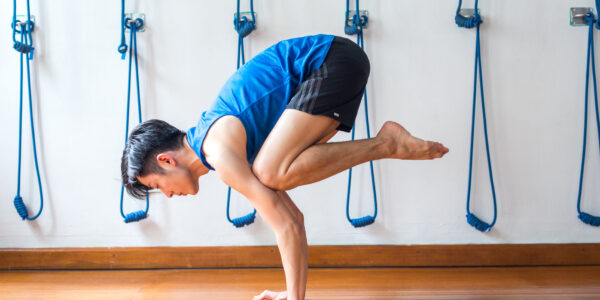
{"points": [[176, 181]]}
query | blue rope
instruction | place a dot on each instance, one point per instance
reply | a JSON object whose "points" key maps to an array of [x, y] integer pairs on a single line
{"points": [[26, 44], [471, 22], [356, 27], [584, 217], [243, 27], [358, 21], [241, 221], [25, 47], [133, 26], [123, 46]]}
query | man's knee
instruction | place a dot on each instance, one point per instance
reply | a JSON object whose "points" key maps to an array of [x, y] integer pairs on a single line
{"points": [[269, 176]]}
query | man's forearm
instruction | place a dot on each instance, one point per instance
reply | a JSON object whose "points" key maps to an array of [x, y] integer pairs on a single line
{"points": [[226, 151], [291, 241]]}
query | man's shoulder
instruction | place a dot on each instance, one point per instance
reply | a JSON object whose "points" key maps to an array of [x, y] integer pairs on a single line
{"points": [[226, 134]]}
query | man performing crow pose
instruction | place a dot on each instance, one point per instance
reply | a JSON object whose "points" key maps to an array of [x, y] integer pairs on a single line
{"points": [[267, 133]]}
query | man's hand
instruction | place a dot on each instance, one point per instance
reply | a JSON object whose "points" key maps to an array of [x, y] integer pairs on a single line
{"points": [[270, 295]]}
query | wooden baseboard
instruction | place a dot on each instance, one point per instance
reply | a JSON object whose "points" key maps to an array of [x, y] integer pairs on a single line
{"points": [[319, 256]]}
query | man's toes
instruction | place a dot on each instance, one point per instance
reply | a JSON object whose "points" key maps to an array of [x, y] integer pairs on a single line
{"points": [[438, 150], [442, 150]]}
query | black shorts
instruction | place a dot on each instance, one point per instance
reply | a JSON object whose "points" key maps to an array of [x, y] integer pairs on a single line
{"points": [[336, 88]]}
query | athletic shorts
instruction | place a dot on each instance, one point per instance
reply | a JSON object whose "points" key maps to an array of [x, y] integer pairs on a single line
{"points": [[336, 88]]}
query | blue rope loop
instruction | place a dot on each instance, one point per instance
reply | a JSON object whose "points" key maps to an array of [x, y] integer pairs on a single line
{"points": [[471, 218], [591, 62], [134, 26], [123, 46], [589, 219], [245, 220], [21, 208], [358, 23], [241, 221], [135, 216], [24, 46], [243, 26], [366, 220], [477, 223], [362, 222]]}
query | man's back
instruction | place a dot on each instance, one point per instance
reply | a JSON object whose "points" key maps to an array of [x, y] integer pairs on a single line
{"points": [[258, 92]]}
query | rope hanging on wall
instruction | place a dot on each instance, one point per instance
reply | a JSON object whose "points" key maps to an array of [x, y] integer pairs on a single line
{"points": [[351, 27], [470, 22], [243, 26], [590, 18], [133, 26], [25, 47]]}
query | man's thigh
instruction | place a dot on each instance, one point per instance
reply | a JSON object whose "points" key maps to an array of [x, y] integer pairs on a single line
{"points": [[293, 133]]}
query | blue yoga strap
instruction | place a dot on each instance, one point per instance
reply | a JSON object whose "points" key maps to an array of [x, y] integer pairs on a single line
{"points": [[351, 28], [133, 26], [243, 27], [590, 18], [25, 47], [470, 22]]}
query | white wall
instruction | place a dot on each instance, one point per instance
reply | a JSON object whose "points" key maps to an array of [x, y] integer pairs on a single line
{"points": [[422, 72]]}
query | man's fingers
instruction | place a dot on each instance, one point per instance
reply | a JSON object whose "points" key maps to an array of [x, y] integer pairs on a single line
{"points": [[266, 295], [282, 296]]}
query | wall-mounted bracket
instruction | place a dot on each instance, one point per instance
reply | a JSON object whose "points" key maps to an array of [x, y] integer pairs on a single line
{"points": [[22, 19], [578, 16], [246, 14], [468, 12], [351, 14], [134, 16]]}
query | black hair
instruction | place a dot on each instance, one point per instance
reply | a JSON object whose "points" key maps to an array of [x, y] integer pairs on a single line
{"points": [[146, 141]]}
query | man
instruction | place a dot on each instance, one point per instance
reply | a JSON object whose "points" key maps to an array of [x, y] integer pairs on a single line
{"points": [[267, 133]]}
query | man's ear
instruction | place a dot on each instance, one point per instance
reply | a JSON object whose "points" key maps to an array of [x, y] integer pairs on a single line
{"points": [[165, 160]]}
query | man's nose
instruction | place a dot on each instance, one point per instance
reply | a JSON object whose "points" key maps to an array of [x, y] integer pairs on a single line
{"points": [[168, 194]]}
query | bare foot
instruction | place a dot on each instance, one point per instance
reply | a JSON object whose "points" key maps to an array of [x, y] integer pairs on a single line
{"points": [[403, 145]]}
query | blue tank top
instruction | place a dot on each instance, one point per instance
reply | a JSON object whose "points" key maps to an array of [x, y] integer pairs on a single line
{"points": [[258, 92]]}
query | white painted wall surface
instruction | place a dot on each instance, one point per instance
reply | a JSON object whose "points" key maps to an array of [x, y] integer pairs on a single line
{"points": [[422, 72]]}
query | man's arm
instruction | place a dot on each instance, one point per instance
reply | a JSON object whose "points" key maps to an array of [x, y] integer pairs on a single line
{"points": [[225, 150]]}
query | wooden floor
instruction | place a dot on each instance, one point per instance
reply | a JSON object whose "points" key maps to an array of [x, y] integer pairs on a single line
{"points": [[367, 283]]}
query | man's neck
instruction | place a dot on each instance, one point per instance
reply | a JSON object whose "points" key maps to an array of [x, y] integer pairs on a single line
{"points": [[193, 162]]}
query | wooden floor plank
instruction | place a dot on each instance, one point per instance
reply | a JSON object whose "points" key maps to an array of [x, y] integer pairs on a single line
{"points": [[581, 282]]}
